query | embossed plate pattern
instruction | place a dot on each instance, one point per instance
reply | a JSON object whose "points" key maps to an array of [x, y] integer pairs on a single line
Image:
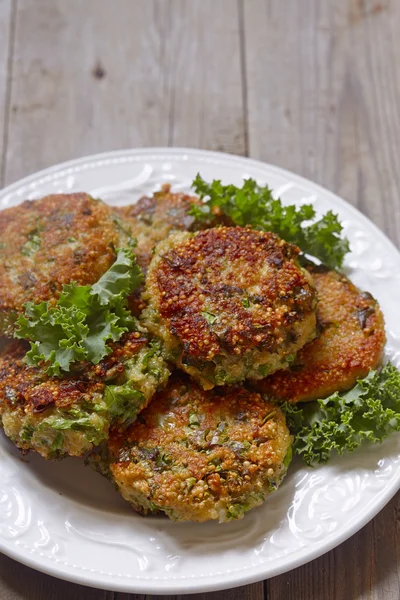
{"points": [[67, 521]]}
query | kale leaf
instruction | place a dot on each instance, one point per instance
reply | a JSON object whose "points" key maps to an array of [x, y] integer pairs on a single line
{"points": [[342, 422], [255, 205], [84, 319]]}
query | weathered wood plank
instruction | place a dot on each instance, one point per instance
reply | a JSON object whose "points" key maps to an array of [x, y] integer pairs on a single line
{"points": [[204, 76], [322, 90], [18, 582], [95, 75], [5, 61], [249, 592], [364, 567], [323, 83], [386, 552], [87, 77]]}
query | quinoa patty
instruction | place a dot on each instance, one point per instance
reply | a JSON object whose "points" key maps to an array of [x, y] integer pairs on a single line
{"points": [[68, 415], [350, 344], [47, 243], [197, 456], [230, 303], [153, 218]]}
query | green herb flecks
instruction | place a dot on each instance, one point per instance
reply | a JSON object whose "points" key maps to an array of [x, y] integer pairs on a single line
{"points": [[264, 370], [342, 422], [92, 426], [269, 416], [246, 302], [194, 422], [31, 246], [288, 458], [255, 205], [209, 317], [190, 482], [123, 402], [58, 442], [27, 433]]}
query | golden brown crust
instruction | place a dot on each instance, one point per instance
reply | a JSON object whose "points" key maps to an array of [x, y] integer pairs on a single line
{"points": [[29, 390], [153, 218], [350, 344], [47, 243], [200, 455], [69, 415], [229, 290]]}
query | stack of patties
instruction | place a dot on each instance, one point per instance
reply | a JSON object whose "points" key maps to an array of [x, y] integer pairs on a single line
{"points": [[230, 310], [350, 342], [49, 243], [228, 304], [44, 246]]}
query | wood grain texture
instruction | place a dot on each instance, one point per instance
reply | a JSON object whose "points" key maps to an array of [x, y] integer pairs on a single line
{"points": [[18, 582], [364, 567], [323, 83], [205, 78], [99, 75], [87, 76], [249, 592], [312, 86], [6, 13]]}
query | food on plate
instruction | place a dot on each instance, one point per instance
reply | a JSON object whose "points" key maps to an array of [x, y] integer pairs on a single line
{"points": [[342, 422], [68, 415], [198, 455], [153, 218], [350, 343], [81, 322], [47, 243], [228, 300], [229, 303], [254, 205]]}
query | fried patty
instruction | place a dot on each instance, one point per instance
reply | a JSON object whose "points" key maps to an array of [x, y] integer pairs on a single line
{"points": [[197, 456], [69, 415], [350, 344], [229, 303], [153, 218], [47, 243]]}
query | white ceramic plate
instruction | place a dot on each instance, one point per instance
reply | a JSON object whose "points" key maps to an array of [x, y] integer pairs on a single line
{"points": [[65, 520]]}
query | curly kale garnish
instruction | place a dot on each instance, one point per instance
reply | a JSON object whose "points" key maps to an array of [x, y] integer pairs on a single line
{"points": [[341, 422], [84, 319], [255, 205]]}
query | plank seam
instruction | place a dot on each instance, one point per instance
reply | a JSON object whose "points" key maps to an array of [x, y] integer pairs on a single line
{"points": [[243, 70], [265, 589], [168, 86], [7, 102]]}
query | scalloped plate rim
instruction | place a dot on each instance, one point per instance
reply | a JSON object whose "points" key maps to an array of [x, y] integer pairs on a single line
{"points": [[187, 586], [229, 579], [176, 150]]}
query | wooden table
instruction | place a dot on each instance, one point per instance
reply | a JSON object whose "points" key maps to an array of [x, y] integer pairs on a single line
{"points": [[309, 85]]}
